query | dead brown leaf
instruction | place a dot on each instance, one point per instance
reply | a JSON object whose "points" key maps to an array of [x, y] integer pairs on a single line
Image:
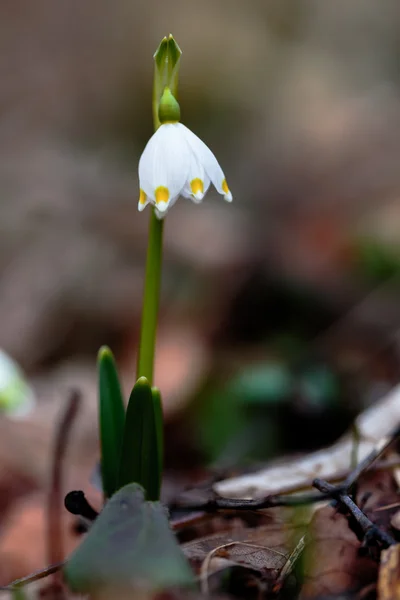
{"points": [[333, 564], [389, 574], [378, 498], [264, 550]]}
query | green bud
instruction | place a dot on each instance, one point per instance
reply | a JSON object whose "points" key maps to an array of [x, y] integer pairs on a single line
{"points": [[168, 109]]}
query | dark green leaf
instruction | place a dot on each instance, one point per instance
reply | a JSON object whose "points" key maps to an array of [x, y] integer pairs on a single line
{"points": [[140, 454], [111, 420], [129, 544], [159, 421]]}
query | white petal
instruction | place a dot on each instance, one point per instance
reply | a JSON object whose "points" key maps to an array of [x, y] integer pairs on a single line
{"points": [[198, 181], [143, 201], [164, 163], [160, 214], [209, 162]]}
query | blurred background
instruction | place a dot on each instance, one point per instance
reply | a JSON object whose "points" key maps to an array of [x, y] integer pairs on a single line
{"points": [[279, 317]]}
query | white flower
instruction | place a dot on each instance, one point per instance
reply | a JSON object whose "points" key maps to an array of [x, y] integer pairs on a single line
{"points": [[177, 163], [17, 399]]}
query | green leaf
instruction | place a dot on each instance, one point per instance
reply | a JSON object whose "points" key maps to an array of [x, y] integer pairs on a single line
{"points": [[111, 420], [129, 544], [159, 421], [140, 454]]}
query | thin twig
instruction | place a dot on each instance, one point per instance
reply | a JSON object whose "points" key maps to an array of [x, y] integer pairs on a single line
{"points": [[355, 445], [291, 496], [55, 547], [290, 563], [218, 503], [377, 451], [191, 520], [369, 529], [76, 503], [36, 576]]}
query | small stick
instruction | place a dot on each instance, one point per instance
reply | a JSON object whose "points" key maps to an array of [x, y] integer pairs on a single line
{"points": [[36, 576], [194, 518], [369, 529], [219, 503], [76, 503], [55, 547], [381, 447], [290, 564], [290, 497]]}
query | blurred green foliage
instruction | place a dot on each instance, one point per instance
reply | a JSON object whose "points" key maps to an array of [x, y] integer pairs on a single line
{"points": [[375, 261], [246, 418]]}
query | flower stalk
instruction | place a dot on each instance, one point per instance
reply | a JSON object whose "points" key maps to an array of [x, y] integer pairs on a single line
{"points": [[151, 299], [166, 59]]}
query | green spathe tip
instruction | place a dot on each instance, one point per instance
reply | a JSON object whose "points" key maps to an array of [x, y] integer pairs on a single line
{"points": [[168, 110], [104, 352], [160, 55]]}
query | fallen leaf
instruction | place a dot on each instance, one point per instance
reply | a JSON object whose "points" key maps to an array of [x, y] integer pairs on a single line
{"points": [[395, 520], [263, 550], [378, 498], [389, 574], [373, 424], [332, 562]]}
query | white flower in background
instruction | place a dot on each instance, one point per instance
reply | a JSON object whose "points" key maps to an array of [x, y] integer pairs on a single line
{"points": [[16, 397], [176, 163]]}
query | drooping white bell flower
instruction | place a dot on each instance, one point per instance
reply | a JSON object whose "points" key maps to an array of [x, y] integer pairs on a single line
{"points": [[176, 163], [17, 398]]}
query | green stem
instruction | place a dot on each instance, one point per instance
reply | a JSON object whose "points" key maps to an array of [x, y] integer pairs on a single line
{"points": [[152, 284], [151, 300]]}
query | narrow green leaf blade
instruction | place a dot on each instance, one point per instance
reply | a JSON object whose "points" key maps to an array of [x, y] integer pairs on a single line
{"points": [[140, 452], [129, 544], [130, 467], [111, 420], [159, 421], [151, 452]]}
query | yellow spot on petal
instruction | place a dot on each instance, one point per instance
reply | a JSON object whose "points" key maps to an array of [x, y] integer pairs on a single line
{"points": [[197, 186], [225, 187], [142, 197], [162, 194]]}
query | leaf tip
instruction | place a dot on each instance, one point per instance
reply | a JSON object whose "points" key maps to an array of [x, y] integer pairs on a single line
{"points": [[104, 352]]}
